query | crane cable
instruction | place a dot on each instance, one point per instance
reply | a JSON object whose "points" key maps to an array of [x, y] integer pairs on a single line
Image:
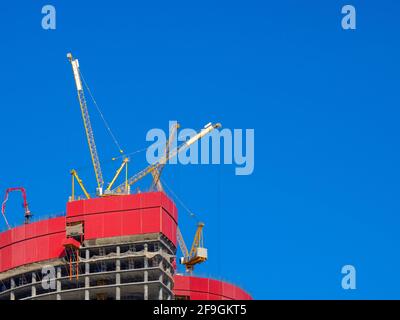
{"points": [[130, 153], [191, 213], [101, 115]]}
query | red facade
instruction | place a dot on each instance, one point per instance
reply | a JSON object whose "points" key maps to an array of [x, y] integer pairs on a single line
{"points": [[195, 288], [125, 215], [32, 243], [102, 218]]}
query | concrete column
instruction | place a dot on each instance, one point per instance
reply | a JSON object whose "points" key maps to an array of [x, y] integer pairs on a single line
{"points": [[58, 284], [33, 288], [146, 292], [87, 266], [87, 271], [146, 274], [118, 275], [160, 293], [12, 286]]}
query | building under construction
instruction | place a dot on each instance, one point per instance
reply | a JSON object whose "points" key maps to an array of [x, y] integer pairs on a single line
{"points": [[111, 246]]}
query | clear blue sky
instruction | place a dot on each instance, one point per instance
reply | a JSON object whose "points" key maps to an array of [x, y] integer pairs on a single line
{"points": [[324, 104]]}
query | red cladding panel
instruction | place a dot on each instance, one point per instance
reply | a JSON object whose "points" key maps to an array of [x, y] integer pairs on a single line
{"points": [[215, 287], [131, 223], [75, 208], [199, 284], [112, 224], [228, 290], [151, 220], [207, 289], [199, 296], [125, 215], [212, 296], [31, 243], [103, 217]]}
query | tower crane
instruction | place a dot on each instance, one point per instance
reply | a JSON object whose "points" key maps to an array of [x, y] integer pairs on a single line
{"points": [[28, 213], [87, 124], [197, 253], [75, 176], [156, 173], [121, 189], [155, 169]]}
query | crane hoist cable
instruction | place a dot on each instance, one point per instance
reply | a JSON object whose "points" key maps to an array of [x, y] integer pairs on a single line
{"points": [[198, 253], [79, 79], [190, 212], [120, 150], [129, 154], [87, 124]]}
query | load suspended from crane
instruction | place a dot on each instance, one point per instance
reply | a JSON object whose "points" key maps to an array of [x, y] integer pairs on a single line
{"points": [[28, 213], [197, 254]]}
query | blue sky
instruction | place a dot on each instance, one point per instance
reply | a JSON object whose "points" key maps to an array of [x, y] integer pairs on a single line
{"points": [[323, 103]]}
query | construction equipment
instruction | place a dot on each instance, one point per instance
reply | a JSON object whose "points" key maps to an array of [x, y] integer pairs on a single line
{"points": [[156, 184], [121, 189], [197, 254], [155, 169], [87, 124], [90, 137], [75, 176], [124, 164], [28, 214]]}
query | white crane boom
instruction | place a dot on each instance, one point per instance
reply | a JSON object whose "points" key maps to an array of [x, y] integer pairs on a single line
{"points": [[87, 124], [207, 129]]}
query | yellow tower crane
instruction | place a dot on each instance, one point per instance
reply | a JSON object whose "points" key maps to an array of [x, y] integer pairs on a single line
{"points": [[197, 253]]}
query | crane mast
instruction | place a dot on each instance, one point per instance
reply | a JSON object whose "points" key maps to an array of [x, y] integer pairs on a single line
{"points": [[87, 124]]}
